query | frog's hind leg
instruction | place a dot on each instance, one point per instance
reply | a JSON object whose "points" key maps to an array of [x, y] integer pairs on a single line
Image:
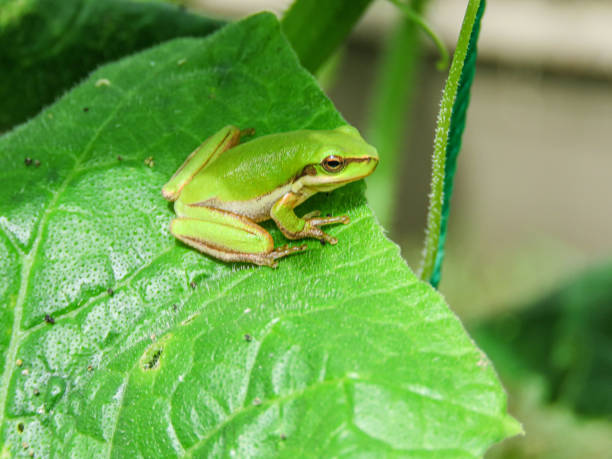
{"points": [[228, 236], [205, 154]]}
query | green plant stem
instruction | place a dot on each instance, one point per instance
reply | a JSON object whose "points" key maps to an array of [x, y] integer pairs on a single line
{"points": [[315, 28], [410, 11], [446, 116], [391, 101]]}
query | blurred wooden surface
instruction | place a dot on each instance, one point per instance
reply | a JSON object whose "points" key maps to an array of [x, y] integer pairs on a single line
{"points": [[571, 35]]}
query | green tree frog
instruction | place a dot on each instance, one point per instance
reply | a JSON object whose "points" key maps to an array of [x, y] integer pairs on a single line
{"points": [[224, 188]]}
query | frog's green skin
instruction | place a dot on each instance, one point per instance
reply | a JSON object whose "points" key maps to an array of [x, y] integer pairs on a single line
{"points": [[222, 189]]}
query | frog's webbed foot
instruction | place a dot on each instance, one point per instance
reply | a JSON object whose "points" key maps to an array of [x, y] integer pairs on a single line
{"points": [[314, 222], [309, 225]]}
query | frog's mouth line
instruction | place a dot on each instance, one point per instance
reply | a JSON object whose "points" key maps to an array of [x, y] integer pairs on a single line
{"points": [[362, 159]]}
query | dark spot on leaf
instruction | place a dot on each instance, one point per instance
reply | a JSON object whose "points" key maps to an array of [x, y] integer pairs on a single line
{"points": [[283, 436], [85, 109], [110, 292], [49, 319], [154, 360], [27, 161], [329, 215], [119, 158], [89, 368], [20, 427], [248, 338], [322, 241], [36, 392], [174, 307], [36, 163], [192, 284]]}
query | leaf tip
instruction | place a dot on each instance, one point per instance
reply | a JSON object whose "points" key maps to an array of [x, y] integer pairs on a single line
{"points": [[512, 427]]}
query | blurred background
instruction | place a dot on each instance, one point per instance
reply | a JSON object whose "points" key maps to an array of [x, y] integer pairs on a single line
{"points": [[529, 253]]}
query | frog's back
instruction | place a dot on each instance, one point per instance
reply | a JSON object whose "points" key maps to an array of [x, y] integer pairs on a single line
{"points": [[250, 171]]}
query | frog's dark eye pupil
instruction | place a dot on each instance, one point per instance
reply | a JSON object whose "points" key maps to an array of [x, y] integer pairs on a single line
{"points": [[333, 163]]}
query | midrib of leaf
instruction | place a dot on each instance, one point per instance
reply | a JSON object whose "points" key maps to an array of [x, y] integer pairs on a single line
{"points": [[16, 334]]}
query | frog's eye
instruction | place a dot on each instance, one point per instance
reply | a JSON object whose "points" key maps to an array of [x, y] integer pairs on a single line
{"points": [[333, 163]]}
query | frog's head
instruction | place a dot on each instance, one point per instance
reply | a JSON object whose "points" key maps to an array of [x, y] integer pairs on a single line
{"points": [[342, 156]]}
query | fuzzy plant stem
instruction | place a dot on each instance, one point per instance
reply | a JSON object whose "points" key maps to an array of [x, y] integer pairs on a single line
{"points": [[436, 196]]}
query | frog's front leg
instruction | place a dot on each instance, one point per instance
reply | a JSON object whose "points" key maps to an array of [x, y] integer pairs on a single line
{"points": [[294, 227], [227, 236]]}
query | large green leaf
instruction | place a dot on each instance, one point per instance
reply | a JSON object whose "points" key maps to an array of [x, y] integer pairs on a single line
{"points": [[46, 46], [338, 351]]}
